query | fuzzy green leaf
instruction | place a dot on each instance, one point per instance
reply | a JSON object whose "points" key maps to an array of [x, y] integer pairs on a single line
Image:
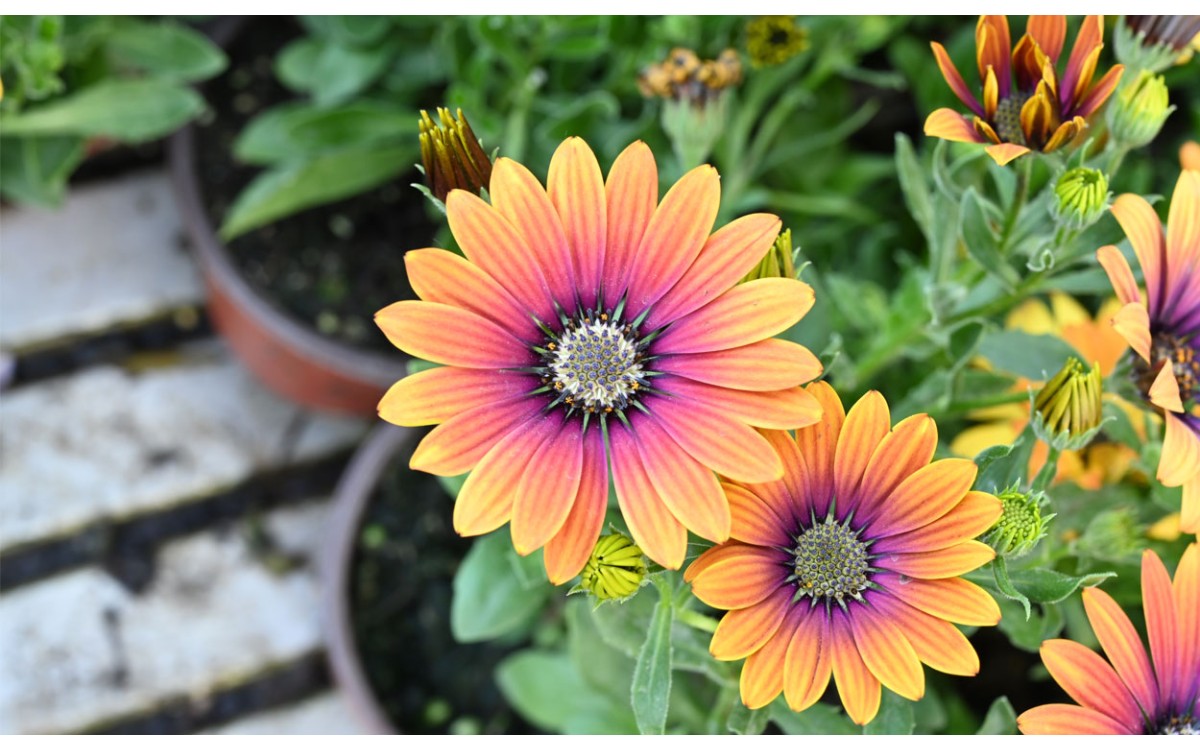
{"points": [[495, 591], [650, 694], [165, 50], [895, 716], [1000, 719], [128, 111], [981, 240]]}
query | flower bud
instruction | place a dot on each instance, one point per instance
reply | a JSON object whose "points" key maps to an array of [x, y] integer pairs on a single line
{"points": [[1068, 411], [696, 105], [773, 40], [1155, 43], [1140, 109], [1081, 197], [615, 571], [778, 263], [451, 155], [1021, 525]]}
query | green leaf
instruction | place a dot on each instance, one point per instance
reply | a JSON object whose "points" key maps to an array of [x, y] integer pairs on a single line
{"points": [[491, 597], [981, 240], [304, 130], [548, 691], [1001, 466], [165, 50], [1034, 356], [915, 187], [650, 694], [820, 718], [1005, 585], [744, 721], [603, 667], [345, 71], [296, 65], [1028, 634], [35, 170], [284, 190], [895, 716], [453, 485], [1000, 719], [1050, 586], [125, 110]]}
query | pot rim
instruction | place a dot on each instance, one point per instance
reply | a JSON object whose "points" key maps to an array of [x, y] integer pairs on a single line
{"points": [[350, 500]]}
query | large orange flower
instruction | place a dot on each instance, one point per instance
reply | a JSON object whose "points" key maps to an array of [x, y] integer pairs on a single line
{"points": [[1164, 330], [590, 325], [1025, 105], [1135, 694], [849, 565]]}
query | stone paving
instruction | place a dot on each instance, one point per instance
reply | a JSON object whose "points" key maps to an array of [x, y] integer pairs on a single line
{"points": [[132, 442]]}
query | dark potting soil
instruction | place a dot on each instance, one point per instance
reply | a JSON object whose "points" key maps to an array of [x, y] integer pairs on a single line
{"points": [[333, 266], [400, 589]]}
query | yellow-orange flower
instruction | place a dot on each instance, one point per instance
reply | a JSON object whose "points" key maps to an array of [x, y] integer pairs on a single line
{"points": [[1164, 329], [1131, 693], [1189, 155], [849, 566], [590, 326], [1025, 105]]}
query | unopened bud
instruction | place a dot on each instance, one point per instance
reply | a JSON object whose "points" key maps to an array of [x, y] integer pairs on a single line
{"points": [[778, 263], [1140, 109], [615, 571], [1081, 197], [1021, 525], [1068, 407], [451, 155], [1155, 43]]}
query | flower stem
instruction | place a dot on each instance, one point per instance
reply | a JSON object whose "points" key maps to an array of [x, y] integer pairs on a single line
{"points": [[694, 619], [1018, 202]]}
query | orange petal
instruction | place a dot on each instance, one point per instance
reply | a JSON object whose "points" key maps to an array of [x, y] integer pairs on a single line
{"points": [[767, 365], [1088, 42], [1065, 718], [888, 654], [743, 315], [1133, 323], [631, 193], [926, 495], [1164, 391], [450, 335], [1091, 682], [1075, 98], [690, 490], [818, 446], [857, 687], [949, 125], [1183, 229], [456, 445], [674, 236], [656, 531], [1189, 155], [1180, 459], [1038, 119], [717, 440], [1122, 646], [742, 578], [1162, 630], [1065, 133], [569, 550], [441, 276], [935, 641], [1003, 153], [712, 556], [576, 189], [486, 498], [1144, 231], [951, 599], [547, 493], [744, 631], [1189, 511], [867, 424], [1186, 589], [1050, 32], [808, 663], [752, 520], [942, 563], [954, 79], [1119, 273], [435, 395], [908, 447], [519, 197], [762, 675], [1096, 96], [974, 515], [728, 255], [993, 44], [991, 94], [785, 496], [771, 410]]}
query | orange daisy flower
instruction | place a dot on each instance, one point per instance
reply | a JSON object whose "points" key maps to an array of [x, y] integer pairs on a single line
{"points": [[1025, 105], [1164, 330], [849, 565], [1134, 694], [591, 326]]}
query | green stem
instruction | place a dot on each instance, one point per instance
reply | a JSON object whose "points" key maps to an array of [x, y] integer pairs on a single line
{"points": [[1048, 472], [1018, 202], [694, 619]]}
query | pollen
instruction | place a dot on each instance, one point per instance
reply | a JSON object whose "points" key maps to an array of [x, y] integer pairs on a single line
{"points": [[598, 365], [830, 562]]}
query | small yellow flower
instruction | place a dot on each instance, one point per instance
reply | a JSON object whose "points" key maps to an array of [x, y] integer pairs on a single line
{"points": [[773, 40]]}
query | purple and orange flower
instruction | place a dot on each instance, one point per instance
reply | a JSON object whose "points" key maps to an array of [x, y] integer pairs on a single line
{"points": [[591, 326], [849, 566], [1164, 329], [1025, 105], [1131, 693]]}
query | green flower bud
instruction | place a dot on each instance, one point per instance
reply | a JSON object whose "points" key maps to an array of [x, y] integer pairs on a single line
{"points": [[451, 155], [1082, 197], [1140, 109], [1021, 525], [615, 571], [1068, 411], [778, 263], [1154, 43]]}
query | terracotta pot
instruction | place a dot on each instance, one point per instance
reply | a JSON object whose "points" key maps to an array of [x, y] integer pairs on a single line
{"points": [[351, 497], [289, 357]]}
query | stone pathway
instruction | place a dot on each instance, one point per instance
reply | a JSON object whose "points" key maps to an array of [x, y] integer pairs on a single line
{"points": [[152, 578]]}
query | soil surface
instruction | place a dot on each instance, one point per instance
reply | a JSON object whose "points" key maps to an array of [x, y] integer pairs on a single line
{"points": [[332, 266]]}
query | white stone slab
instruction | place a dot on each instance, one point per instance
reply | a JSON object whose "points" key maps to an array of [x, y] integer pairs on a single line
{"points": [[80, 650], [105, 443], [324, 714], [110, 255]]}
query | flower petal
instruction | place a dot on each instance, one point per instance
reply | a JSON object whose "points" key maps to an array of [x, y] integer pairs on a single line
{"points": [[954, 79], [712, 556], [941, 563], [771, 410], [1180, 459], [743, 315], [1162, 630], [1183, 231], [1186, 589], [857, 687], [547, 493], [455, 446], [1066, 718], [1082, 63], [1164, 391], [690, 490], [1119, 273], [1099, 93], [441, 276], [1189, 511], [926, 495], [1050, 32], [741, 632], [631, 194], [949, 125], [1144, 231], [767, 365], [656, 531], [576, 189], [1133, 323], [951, 599], [726, 257], [818, 446], [974, 515], [1122, 646], [808, 663], [486, 499], [741, 578], [518, 196], [679, 228], [935, 641], [717, 440], [762, 674], [752, 519], [569, 550], [908, 447], [867, 424], [450, 335], [887, 653], [1003, 153], [993, 44], [435, 395]]}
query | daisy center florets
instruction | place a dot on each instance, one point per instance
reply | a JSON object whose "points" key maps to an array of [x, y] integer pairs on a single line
{"points": [[595, 364], [1180, 725], [1008, 118], [1181, 356], [830, 561]]}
